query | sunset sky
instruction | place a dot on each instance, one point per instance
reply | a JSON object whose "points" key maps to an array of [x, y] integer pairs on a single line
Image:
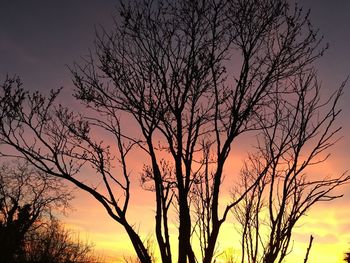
{"points": [[39, 38]]}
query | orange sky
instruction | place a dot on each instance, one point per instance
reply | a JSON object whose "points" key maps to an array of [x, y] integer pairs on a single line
{"points": [[37, 40], [328, 222]]}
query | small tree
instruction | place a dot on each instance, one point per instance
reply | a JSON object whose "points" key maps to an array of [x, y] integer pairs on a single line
{"points": [[27, 196], [280, 189], [54, 244]]}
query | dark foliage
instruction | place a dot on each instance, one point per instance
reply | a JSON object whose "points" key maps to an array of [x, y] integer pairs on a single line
{"points": [[27, 196]]}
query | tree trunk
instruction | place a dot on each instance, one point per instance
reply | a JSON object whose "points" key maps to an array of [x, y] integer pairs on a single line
{"points": [[185, 249], [209, 252], [138, 245]]}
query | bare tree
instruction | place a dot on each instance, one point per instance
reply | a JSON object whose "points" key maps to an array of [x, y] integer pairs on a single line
{"points": [[192, 76], [295, 139], [53, 243], [27, 196]]}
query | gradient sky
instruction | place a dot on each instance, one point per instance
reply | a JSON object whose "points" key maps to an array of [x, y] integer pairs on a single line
{"points": [[38, 38]]}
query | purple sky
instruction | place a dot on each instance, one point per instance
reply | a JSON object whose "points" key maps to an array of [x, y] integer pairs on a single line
{"points": [[39, 37]]}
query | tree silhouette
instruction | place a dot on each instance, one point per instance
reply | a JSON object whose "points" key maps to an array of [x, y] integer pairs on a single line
{"points": [[180, 82], [52, 243], [347, 257], [27, 196]]}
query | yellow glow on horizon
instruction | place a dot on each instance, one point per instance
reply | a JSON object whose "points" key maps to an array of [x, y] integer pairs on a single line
{"points": [[327, 222]]}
